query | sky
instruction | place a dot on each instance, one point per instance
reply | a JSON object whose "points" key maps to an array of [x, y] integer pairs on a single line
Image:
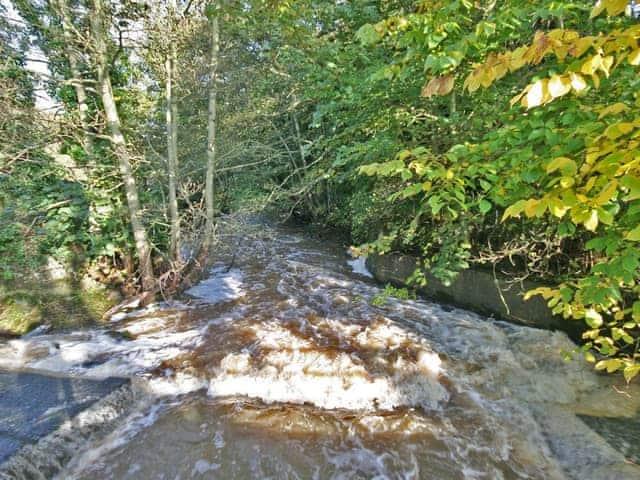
{"points": [[37, 64]]}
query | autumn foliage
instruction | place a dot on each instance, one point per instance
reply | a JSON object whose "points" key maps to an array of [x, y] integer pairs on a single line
{"points": [[564, 164]]}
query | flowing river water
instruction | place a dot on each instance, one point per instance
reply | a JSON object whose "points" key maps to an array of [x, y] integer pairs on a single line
{"points": [[279, 365]]}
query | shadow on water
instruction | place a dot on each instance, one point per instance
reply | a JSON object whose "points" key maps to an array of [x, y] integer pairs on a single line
{"points": [[34, 405]]}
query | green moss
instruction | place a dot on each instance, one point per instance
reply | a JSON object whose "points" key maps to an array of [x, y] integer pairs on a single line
{"points": [[21, 310], [17, 318]]}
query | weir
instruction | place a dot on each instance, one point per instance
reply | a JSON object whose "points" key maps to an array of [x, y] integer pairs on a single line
{"points": [[282, 365]]}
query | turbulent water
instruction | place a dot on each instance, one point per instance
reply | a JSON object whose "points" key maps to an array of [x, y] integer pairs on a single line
{"points": [[279, 366]]}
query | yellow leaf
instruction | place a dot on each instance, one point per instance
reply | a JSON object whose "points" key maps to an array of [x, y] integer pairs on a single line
{"points": [[545, 292], [567, 182], [598, 9], [613, 365], [538, 95], [577, 82], [612, 110], [514, 210], [516, 60], [561, 51], [426, 186], [634, 235], [631, 371], [606, 64], [580, 46], [530, 207], [538, 49], [556, 34], [601, 365], [558, 208], [591, 223], [487, 79], [518, 97], [596, 80], [615, 7], [559, 85], [590, 66], [570, 35], [535, 208], [567, 166], [608, 192], [473, 81], [438, 86], [617, 130], [634, 57]]}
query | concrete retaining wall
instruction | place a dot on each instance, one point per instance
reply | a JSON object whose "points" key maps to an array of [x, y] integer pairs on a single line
{"points": [[476, 290]]}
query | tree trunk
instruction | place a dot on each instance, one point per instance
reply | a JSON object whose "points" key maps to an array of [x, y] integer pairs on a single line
{"points": [[99, 32], [74, 64], [211, 132], [172, 155]]}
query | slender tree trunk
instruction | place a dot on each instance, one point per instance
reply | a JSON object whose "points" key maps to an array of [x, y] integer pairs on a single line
{"points": [[211, 130], [172, 155], [296, 125], [74, 64], [315, 204], [99, 32]]}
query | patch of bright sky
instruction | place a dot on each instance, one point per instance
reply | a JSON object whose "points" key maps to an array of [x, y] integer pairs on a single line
{"points": [[36, 63]]}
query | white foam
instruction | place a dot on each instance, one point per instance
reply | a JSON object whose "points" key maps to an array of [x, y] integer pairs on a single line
{"points": [[222, 286], [179, 384], [218, 440], [359, 266], [298, 370], [144, 417], [98, 355], [132, 310], [202, 466]]}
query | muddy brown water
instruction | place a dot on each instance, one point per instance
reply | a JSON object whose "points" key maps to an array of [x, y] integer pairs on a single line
{"points": [[279, 366]]}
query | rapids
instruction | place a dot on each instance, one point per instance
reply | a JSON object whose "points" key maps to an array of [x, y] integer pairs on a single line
{"points": [[278, 366]]}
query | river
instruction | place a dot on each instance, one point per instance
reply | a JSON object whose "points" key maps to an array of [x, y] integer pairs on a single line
{"points": [[280, 365]]}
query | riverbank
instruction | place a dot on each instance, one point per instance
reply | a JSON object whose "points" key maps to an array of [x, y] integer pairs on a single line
{"points": [[284, 349], [57, 304], [482, 291]]}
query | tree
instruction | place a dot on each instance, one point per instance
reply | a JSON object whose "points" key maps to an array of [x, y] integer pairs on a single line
{"points": [[70, 48], [99, 15], [172, 134], [212, 15]]}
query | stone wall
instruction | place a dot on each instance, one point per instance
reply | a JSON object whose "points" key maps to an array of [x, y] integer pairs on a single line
{"points": [[476, 290]]}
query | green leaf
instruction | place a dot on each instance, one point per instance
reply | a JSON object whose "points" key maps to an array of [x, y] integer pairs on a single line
{"points": [[484, 206], [410, 191], [367, 34]]}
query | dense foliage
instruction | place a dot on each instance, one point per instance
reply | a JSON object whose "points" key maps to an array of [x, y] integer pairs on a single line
{"points": [[497, 133], [491, 133]]}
